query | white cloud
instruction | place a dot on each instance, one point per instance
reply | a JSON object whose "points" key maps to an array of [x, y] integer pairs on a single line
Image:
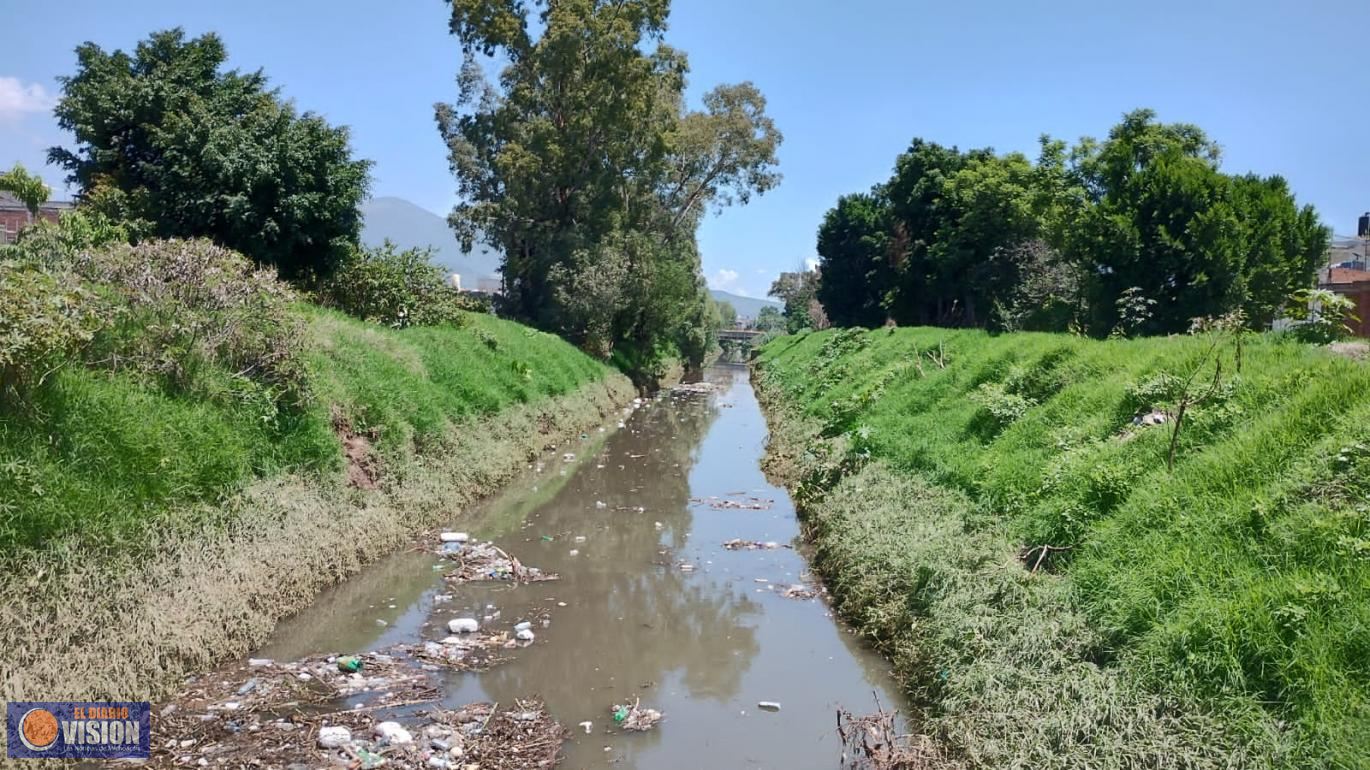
{"points": [[723, 279], [18, 99], [810, 264]]}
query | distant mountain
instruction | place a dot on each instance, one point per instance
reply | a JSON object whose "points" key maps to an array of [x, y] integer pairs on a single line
{"points": [[746, 306], [410, 226]]}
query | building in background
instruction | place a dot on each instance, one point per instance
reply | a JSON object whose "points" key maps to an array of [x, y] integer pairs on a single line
{"points": [[1348, 273], [15, 216]]}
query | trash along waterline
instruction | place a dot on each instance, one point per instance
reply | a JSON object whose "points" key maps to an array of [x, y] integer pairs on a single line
{"points": [[636, 595]]}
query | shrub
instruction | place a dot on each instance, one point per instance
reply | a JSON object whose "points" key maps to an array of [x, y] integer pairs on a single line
{"points": [[46, 320], [190, 311], [1321, 316], [57, 244], [999, 408], [397, 288]]}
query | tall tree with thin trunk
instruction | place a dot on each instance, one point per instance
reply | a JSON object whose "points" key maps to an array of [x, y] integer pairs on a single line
{"points": [[583, 165]]}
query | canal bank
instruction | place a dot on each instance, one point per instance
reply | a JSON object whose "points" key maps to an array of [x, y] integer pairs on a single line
{"points": [[198, 598], [901, 483], [660, 600]]}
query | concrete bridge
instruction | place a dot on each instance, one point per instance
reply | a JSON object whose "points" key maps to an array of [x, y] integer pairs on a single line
{"points": [[740, 336]]}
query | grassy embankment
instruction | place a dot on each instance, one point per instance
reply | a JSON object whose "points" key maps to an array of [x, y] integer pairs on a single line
{"points": [[147, 533], [1213, 615]]}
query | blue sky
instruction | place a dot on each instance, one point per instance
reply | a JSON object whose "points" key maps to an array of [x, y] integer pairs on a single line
{"points": [[1282, 86]]}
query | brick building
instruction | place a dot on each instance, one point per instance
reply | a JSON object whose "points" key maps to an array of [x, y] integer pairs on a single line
{"points": [[1354, 284], [14, 215]]}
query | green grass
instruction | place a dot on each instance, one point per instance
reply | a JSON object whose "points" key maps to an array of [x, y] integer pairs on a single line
{"points": [[1240, 580], [100, 459]]}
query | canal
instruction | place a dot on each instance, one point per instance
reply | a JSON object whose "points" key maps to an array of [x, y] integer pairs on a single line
{"points": [[650, 605]]}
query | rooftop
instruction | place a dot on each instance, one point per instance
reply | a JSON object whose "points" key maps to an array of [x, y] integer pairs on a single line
{"points": [[1341, 275], [10, 203]]}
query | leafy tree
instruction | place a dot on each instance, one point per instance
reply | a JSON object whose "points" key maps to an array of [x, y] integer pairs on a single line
{"points": [[1167, 223], [915, 193], [1285, 245], [585, 168], [724, 154], [727, 314], [28, 188], [989, 207], [1321, 316], [1090, 234], [852, 248], [799, 292], [176, 146], [1046, 294], [770, 319]]}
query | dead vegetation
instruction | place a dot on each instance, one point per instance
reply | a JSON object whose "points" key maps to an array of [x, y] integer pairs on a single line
{"points": [[874, 742], [319, 712], [518, 738]]}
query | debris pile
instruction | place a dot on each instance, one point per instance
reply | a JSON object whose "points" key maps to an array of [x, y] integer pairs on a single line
{"points": [[1154, 417], [636, 718], [738, 544], [468, 652], [487, 561], [873, 742], [798, 591], [523, 736], [302, 714], [726, 504], [694, 387]]}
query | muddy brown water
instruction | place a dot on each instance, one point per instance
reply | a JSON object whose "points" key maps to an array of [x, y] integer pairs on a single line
{"points": [[625, 621]]}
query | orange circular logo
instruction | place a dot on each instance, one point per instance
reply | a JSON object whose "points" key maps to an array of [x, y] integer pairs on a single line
{"points": [[38, 729]]}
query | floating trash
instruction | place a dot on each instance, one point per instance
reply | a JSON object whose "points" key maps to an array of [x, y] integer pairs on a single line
{"points": [[752, 545], [636, 718]]}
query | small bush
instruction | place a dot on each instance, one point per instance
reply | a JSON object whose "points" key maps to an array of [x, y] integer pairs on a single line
{"points": [[999, 408], [56, 245], [191, 312], [397, 288], [46, 320], [1321, 316]]}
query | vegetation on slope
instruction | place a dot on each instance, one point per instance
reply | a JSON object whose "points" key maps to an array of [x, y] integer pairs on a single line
{"points": [[174, 429], [1236, 583], [139, 421]]}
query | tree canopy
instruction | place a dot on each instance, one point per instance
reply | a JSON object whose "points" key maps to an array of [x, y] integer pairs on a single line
{"points": [[582, 163], [170, 142], [799, 291], [1146, 216]]}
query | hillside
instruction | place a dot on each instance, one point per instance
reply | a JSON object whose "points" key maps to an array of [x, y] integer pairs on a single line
{"points": [[411, 226], [999, 510], [745, 306]]}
